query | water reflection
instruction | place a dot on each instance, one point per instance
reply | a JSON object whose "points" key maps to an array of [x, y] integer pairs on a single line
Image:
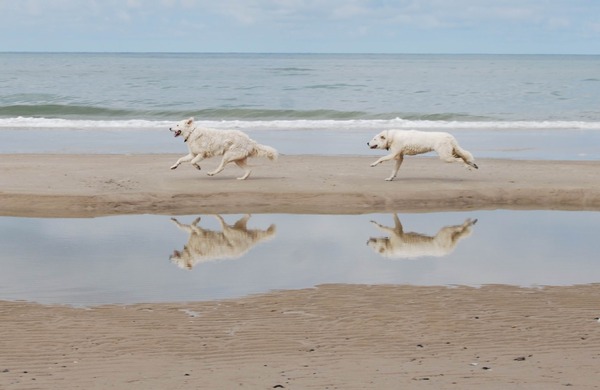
{"points": [[231, 242], [406, 245], [123, 259]]}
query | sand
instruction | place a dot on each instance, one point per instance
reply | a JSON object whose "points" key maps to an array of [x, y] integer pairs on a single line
{"points": [[96, 185], [329, 337]]}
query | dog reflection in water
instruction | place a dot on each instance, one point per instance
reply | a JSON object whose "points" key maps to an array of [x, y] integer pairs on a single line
{"points": [[403, 245], [205, 245]]}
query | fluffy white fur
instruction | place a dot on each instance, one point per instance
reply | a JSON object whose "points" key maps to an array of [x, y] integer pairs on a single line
{"points": [[233, 145], [412, 142], [204, 245], [403, 245]]}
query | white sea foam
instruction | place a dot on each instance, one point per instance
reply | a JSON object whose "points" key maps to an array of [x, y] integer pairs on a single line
{"points": [[296, 125]]}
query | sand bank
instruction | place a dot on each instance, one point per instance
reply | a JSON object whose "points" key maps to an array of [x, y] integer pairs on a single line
{"points": [[95, 185], [333, 336]]}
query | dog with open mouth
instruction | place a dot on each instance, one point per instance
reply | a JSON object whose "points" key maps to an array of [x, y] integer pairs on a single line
{"points": [[402, 143], [234, 145]]}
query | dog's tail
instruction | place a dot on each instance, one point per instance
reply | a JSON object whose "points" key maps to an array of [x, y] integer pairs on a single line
{"points": [[466, 156], [265, 151]]}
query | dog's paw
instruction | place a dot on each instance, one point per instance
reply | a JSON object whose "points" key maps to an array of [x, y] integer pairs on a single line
{"points": [[197, 167], [174, 166], [389, 178], [374, 164]]}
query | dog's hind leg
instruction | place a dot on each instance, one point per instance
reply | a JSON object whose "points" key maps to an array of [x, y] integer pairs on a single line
{"points": [[244, 165], [465, 156], [227, 158], [454, 153], [471, 164], [448, 154], [398, 225], [221, 221], [190, 229], [397, 229], [224, 161], [242, 223]]}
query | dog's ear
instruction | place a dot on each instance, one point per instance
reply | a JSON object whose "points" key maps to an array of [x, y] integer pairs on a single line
{"points": [[190, 121]]}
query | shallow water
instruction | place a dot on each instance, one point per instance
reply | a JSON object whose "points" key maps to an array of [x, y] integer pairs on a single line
{"points": [[571, 144], [143, 258]]}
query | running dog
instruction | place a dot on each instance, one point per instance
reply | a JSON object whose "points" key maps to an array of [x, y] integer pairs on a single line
{"points": [[412, 142], [233, 145]]}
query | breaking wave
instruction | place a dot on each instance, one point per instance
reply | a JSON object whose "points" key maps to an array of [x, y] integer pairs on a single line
{"points": [[23, 122]]}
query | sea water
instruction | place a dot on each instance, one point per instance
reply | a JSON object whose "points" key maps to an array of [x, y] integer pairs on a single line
{"points": [[150, 258], [505, 106]]}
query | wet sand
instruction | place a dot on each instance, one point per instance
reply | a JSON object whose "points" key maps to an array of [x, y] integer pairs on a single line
{"points": [[330, 337], [333, 336], [95, 185]]}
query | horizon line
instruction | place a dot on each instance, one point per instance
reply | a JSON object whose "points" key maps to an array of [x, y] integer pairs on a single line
{"points": [[289, 53]]}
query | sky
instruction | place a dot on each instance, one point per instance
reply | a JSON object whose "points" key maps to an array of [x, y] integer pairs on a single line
{"points": [[302, 26]]}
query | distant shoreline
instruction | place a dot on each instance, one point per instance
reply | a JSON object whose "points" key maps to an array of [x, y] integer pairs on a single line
{"points": [[242, 53]]}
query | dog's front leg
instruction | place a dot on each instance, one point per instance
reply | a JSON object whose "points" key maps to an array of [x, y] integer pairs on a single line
{"points": [[399, 158], [196, 160], [185, 158], [383, 159], [380, 226], [185, 228]]}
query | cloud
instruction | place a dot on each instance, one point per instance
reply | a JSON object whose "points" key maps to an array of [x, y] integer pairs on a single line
{"points": [[418, 13], [230, 25]]}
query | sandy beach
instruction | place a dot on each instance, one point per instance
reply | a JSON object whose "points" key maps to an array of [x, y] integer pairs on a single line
{"points": [[328, 337], [96, 185]]}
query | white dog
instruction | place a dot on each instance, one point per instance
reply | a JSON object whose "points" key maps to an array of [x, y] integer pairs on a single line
{"points": [[412, 142], [233, 145], [406, 245]]}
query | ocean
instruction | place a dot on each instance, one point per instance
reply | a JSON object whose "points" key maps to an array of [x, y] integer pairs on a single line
{"points": [[498, 106]]}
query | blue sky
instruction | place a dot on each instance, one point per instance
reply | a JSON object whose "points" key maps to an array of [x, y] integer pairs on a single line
{"points": [[321, 26]]}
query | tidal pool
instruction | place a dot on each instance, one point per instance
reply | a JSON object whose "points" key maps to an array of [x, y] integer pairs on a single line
{"points": [[151, 258]]}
